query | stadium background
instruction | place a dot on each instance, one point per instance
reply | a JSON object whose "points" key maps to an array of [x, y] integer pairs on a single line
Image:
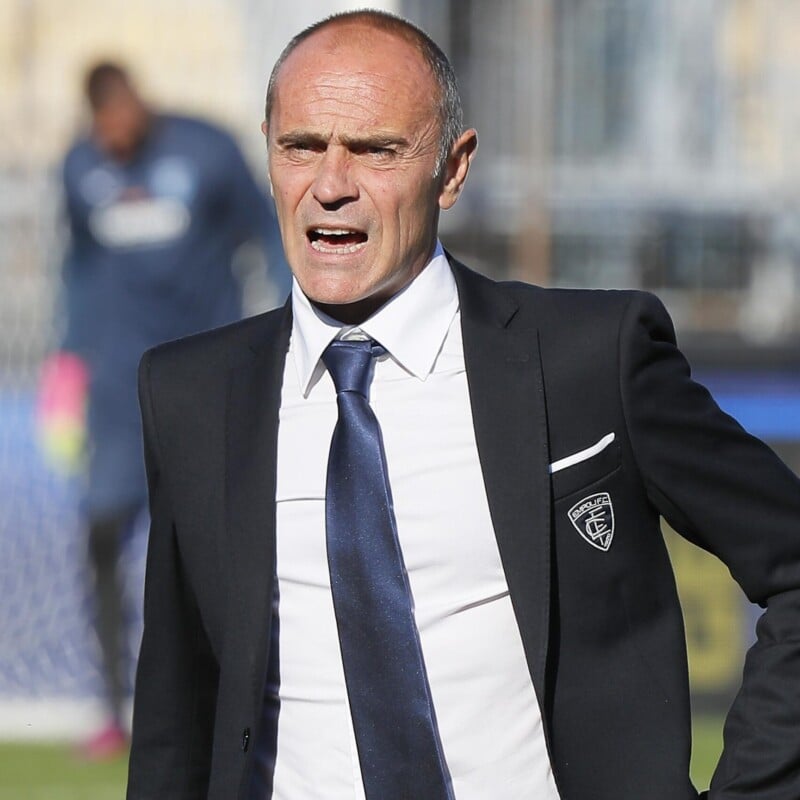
{"points": [[623, 143]]}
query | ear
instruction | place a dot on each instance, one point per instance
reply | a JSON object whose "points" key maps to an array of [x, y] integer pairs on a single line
{"points": [[457, 167]]}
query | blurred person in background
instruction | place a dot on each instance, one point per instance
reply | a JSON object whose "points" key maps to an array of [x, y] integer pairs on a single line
{"points": [[157, 206]]}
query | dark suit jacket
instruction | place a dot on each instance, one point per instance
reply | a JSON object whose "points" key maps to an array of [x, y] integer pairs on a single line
{"points": [[550, 372]]}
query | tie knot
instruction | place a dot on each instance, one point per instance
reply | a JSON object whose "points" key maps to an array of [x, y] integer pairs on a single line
{"points": [[351, 364]]}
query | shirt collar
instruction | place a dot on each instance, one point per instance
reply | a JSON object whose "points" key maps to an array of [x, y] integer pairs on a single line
{"points": [[411, 326]]}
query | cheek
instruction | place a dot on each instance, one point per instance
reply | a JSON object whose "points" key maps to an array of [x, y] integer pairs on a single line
{"points": [[288, 188], [283, 204], [415, 216], [396, 210]]}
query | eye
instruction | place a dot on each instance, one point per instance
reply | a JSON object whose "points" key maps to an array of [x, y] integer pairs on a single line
{"points": [[379, 152], [302, 147]]}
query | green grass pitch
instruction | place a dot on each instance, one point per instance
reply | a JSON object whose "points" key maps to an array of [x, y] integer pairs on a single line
{"points": [[51, 772]]}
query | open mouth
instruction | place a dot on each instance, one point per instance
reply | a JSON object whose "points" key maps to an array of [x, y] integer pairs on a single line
{"points": [[336, 240]]}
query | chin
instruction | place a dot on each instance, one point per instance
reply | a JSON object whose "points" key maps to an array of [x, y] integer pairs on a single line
{"points": [[332, 283]]}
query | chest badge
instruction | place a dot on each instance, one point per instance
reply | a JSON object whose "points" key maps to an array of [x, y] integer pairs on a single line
{"points": [[593, 518]]}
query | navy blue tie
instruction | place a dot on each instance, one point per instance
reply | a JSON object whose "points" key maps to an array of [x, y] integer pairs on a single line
{"points": [[387, 687]]}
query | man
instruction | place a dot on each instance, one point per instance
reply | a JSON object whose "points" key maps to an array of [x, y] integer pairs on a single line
{"points": [[157, 205], [507, 573]]}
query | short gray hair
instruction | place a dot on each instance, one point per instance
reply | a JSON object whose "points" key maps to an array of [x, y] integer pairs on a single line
{"points": [[449, 106]]}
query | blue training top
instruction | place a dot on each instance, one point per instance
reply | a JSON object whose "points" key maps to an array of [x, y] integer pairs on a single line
{"points": [[152, 242]]}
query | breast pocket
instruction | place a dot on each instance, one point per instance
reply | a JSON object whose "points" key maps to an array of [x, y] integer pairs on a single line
{"points": [[582, 470], [592, 535]]}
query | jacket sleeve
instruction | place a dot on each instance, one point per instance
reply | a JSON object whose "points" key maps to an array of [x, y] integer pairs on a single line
{"points": [[730, 494], [176, 680]]}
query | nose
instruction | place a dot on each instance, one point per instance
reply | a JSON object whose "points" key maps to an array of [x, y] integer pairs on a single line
{"points": [[334, 184]]}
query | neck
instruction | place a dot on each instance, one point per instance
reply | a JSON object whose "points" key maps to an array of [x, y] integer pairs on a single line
{"points": [[352, 313]]}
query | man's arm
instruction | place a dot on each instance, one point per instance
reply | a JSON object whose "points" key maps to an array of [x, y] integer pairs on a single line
{"points": [[176, 681], [80, 298], [65, 373], [727, 492]]}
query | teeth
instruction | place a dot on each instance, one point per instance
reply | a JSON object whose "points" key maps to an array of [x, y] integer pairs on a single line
{"points": [[334, 231], [321, 247]]}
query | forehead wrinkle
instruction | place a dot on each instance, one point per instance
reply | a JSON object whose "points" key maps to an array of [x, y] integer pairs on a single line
{"points": [[352, 103], [364, 89], [354, 116]]}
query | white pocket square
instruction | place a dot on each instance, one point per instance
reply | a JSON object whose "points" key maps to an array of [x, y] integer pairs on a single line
{"points": [[582, 455]]}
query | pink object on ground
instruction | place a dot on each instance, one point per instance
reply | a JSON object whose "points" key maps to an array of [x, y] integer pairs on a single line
{"points": [[109, 743]]}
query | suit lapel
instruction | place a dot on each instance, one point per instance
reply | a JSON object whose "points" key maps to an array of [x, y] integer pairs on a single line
{"points": [[252, 439], [507, 398]]}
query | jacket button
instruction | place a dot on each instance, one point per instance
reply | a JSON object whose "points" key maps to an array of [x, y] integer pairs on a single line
{"points": [[245, 739]]}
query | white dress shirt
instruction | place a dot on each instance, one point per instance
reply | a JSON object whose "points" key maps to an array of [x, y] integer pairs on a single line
{"points": [[488, 716]]}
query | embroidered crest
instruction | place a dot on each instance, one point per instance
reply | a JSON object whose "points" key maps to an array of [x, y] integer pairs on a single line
{"points": [[593, 518]]}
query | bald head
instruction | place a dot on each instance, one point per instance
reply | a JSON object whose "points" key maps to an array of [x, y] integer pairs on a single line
{"points": [[355, 27]]}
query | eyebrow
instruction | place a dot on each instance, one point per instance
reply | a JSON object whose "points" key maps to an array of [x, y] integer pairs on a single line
{"points": [[351, 142], [300, 137], [375, 140]]}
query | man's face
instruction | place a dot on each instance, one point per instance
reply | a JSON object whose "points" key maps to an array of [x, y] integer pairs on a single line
{"points": [[353, 139], [120, 124]]}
